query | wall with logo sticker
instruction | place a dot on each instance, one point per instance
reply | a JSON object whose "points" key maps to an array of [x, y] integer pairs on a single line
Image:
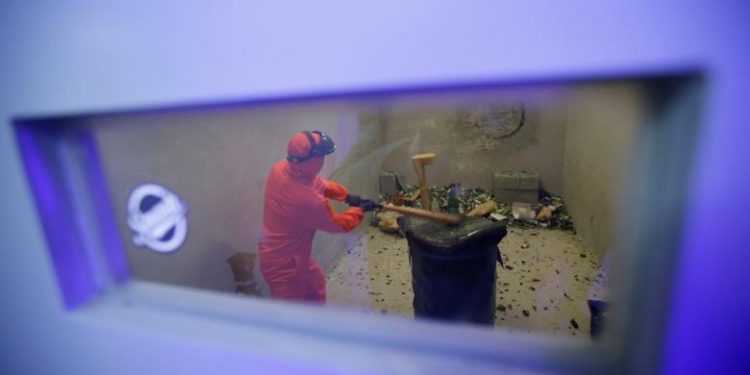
{"points": [[215, 161]]}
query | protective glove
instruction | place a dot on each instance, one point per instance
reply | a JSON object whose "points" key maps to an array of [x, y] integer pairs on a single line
{"points": [[368, 205], [353, 200]]}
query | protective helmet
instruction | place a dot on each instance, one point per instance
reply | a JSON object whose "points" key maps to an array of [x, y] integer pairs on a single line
{"points": [[323, 146]]}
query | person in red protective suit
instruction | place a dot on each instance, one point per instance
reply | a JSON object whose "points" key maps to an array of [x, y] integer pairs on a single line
{"points": [[295, 207]]}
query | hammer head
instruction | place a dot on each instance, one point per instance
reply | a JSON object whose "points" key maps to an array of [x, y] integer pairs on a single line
{"points": [[423, 159]]}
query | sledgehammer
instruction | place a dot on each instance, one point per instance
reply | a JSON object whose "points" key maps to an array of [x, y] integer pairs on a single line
{"points": [[424, 214], [420, 161]]}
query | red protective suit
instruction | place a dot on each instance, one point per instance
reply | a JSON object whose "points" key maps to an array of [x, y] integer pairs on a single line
{"points": [[295, 206]]}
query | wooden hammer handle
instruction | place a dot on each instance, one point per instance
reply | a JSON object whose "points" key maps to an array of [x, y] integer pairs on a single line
{"points": [[424, 192], [425, 214]]}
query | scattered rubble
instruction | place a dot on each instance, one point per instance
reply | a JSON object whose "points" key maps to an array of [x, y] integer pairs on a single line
{"points": [[548, 212], [545, 213], [574, 323], [483, 209], [531, 276]]}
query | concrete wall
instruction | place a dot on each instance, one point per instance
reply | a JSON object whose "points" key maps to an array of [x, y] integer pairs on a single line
{"points": [[217, 161], [466, 154], [602, 123]]}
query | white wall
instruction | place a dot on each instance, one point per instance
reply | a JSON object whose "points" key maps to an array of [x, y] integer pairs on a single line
{"points": [[84, 56], [600, 143]]}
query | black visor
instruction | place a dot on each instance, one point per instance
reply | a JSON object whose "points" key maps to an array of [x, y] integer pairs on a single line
{"points": [[325, 147]]}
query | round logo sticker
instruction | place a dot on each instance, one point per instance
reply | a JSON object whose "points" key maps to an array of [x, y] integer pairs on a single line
{"points": [[157, 216]]}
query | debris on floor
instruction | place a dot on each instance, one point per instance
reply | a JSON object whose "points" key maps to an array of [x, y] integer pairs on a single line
{"points": [[483, 209], [573, 323], [548, 212], [376, 274], [545, 213], [599, 313], [541, 250], [522, 211], [497, 217], [387, 222]]}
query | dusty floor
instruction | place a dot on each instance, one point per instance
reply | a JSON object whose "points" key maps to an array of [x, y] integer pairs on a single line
{"points": [[548, 278]]}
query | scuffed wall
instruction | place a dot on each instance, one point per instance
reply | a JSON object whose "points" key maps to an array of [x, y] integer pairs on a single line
{"points": [[467, 154], [602, 123]]}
